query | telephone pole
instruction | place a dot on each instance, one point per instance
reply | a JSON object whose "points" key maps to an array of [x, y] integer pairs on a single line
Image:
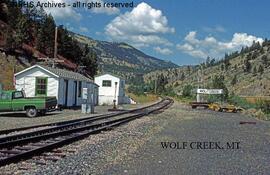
{"points": [[55, 46], [53, 60], [155, 86]]}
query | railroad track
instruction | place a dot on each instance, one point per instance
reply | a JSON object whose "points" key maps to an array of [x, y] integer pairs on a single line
{"points": [[30, 141]]}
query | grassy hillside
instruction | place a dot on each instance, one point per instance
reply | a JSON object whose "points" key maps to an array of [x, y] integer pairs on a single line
{"points": [[246, 73]]}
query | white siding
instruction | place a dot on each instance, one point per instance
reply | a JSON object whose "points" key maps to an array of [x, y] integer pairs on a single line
{"points": [[52, 88], [61, 92], [107, 94], [27, 82]]}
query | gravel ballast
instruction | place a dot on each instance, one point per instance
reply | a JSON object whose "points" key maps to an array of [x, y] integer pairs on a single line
{"points": [[18, 119]]}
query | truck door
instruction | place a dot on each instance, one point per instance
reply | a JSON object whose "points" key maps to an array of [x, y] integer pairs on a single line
{"points": [[5, 101], [18, 101]]}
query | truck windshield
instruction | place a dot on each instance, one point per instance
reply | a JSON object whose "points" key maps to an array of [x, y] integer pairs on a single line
{"points": [[17, 94]]}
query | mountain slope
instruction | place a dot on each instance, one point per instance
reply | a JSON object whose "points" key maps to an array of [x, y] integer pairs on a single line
{"points": [[246, 73], [123, 59]]}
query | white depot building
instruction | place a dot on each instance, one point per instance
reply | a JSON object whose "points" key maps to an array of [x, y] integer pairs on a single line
{"points": [[111, 88], [65, 85]]}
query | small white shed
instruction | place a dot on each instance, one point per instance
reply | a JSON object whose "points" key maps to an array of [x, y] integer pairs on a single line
{"points": [[65, 85], [110, 88]]}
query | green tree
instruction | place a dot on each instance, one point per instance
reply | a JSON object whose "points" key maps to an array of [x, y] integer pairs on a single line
{"points": [[222, 67], [23, 30], [260, 69], [265, 60], [234, 80], [212, 62], [89, 60], [182, 76], [68, 47], [226, 64], [161, 83], [45, 36], [187, 91], [218, 83], [254, 71], [247, 65]]}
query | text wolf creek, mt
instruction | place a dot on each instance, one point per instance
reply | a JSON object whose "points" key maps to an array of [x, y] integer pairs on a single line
{"points": [[75, 4], [200, 145]]}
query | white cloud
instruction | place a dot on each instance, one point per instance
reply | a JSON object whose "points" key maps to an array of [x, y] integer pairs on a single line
{"points": [[210, 46], [141, 26], [164, 51], [84, 29]]}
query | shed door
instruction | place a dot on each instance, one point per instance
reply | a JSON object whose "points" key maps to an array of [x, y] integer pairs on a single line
{"points": [[75, 93], [65, 92]]}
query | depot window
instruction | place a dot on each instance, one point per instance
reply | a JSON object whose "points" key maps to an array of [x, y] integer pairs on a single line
{"points": [[106, 83], [41, 86]]}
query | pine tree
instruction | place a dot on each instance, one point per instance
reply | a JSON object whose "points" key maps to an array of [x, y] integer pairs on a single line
{"points": [[218, 83], [23, 29], [254, 71], [247, 65], [227, 64], [234, 80], [45, 37], [260, 69], [182, 76], [89, 60], [222, 67], [212, 62], [265, 60]]}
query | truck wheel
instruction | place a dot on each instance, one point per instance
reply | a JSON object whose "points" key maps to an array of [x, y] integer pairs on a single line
{"points": [[31, 112]]}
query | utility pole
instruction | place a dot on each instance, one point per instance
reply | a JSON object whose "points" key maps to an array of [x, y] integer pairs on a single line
{"points": [[155, 86], [198, 85], [53, 60], [55, 46]]}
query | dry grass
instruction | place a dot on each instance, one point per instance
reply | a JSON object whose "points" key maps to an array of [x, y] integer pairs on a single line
{"points": [[143, 98], [7, 65], [255, 99]]}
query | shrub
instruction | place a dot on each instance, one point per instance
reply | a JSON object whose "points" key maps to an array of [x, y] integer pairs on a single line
{"points": [[264, 105], [187, 91], [238, 101]]}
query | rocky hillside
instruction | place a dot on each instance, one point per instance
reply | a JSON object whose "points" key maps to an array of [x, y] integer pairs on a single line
{"points": [[246, 72], [123, 59]]}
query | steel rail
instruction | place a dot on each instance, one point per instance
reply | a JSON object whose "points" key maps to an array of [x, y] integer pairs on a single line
{"points": [[68, 136], [22, 137], [7, 131]]}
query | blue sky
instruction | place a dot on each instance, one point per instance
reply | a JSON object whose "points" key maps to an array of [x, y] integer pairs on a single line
{"points": [[184, 32]]}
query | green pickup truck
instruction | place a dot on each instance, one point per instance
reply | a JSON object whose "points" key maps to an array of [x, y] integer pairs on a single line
{"points": [[16, 101]]}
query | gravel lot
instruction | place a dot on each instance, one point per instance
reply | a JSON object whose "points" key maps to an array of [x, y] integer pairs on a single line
{"points": [[135, 148], [181, 124], [15, 120]]}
